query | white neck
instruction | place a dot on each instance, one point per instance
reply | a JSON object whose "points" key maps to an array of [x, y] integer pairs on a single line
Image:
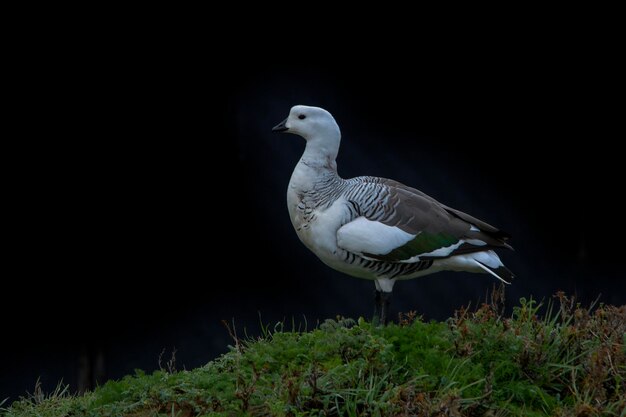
{"points": [[321, 151], [317, 163], [317, 166]]}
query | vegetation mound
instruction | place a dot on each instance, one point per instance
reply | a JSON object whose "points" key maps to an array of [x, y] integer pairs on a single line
{"points": [[568, 361]]}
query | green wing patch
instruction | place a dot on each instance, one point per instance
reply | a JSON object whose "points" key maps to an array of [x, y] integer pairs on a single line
{"points": [[423, 243]]}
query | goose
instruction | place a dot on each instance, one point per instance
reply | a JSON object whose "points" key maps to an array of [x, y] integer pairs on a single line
{"points": [[376, 228]]}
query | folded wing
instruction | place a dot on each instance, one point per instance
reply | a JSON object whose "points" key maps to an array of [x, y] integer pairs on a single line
{"points": [[406, 225]]}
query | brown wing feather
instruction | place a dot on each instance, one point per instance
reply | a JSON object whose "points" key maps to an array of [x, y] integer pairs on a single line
{"points": [[416, 212]]}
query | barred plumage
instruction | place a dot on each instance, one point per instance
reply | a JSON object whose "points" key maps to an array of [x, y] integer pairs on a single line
{"points": [[375, 228]]}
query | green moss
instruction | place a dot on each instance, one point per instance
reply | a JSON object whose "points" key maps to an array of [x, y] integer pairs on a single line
{"points": [[572, 362]]}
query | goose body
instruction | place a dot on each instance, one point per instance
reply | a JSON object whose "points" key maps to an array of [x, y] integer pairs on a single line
{"points": [[376, 228]]}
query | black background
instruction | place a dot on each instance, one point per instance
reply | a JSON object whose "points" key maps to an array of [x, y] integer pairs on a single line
{"points": [[154, 207]]}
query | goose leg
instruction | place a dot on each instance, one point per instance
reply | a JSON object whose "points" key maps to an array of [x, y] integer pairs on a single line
{"points": [[382, 300], [377, 308]]}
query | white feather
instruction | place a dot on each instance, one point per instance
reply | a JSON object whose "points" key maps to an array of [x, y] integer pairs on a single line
{"points": [[488, 258], [366, 236], [491, 272], [384, 284], [473, 262], [441, 252]]}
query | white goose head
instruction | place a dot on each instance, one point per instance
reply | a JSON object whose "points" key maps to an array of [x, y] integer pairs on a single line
{"points": [[312, 123]]}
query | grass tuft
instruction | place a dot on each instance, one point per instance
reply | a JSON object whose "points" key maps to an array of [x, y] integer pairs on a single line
{"points": [[569, 361]]}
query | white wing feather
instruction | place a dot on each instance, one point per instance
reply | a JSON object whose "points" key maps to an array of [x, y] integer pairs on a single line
{"points": [[366, 236]]}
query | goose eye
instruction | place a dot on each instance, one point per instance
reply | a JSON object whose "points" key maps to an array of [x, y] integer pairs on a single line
{"points": [[302, 116]]}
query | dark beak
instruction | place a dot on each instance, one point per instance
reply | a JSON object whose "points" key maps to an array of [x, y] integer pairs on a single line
{"points": [[280, 127]]}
